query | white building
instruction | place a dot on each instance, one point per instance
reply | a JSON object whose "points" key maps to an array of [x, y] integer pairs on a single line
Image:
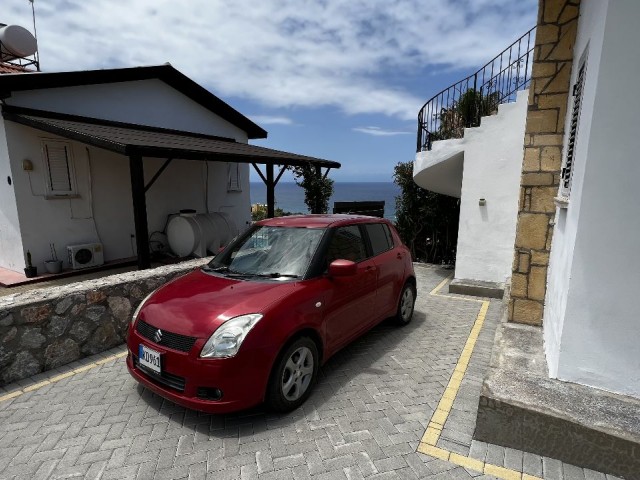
{"points": [[591, 321], [106, 156], [480, 165], [576, 267]]}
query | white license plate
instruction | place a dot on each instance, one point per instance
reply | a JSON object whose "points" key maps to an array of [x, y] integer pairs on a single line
{"points": [[149, 358]]}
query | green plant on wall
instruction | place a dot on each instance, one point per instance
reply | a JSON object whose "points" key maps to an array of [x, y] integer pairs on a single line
{"points": [[464, 113]]}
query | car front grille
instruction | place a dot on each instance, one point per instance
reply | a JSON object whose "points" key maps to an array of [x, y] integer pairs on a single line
{"points": [[165, 378], [172, 340]]}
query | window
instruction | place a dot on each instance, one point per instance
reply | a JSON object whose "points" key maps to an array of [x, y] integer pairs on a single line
{"points": [[233, 177], [379, 237], [347, 244], [59, 173], [567, 171]]}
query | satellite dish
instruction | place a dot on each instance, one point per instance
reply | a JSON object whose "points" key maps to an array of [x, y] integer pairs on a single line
{"points": [[16, 42]]}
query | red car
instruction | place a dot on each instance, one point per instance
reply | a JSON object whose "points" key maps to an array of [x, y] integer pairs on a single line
{"points": [[256, 323]]}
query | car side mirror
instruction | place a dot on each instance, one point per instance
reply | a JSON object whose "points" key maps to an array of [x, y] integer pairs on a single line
{"points": [[342, 268]]}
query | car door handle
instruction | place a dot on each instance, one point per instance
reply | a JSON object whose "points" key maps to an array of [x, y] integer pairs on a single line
{"points": [[371, 269], [399, 256]]}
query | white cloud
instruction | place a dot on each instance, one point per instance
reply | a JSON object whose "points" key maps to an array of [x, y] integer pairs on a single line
{"points": [[270, 120], [281, 53], [379, 132]]}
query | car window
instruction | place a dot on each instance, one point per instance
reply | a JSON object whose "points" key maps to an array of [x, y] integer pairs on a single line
{"points": [[379, 237], [389, 235], [347, 244]]}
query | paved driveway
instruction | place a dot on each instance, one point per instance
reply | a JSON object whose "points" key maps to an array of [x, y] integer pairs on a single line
{"points": [[379, 403]]}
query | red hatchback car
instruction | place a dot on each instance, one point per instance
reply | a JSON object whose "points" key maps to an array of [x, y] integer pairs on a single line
{"points": [[256, 323]]}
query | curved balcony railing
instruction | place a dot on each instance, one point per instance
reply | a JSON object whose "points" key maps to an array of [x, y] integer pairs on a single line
{"points": [[462, 105]]}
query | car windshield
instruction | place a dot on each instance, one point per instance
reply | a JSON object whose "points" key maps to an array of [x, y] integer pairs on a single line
{"points": [[273, 252]]}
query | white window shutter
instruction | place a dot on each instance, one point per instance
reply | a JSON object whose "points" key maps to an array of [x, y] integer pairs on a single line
{"points": [[567, 171], [58, 168], [59, 173]]}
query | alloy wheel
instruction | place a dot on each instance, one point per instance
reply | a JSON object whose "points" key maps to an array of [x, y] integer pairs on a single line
{"points": [[297, 374], [406, 304]]}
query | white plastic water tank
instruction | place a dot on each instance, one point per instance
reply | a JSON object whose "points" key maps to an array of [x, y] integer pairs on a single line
{"points": [[17, 42], [195, 234]]}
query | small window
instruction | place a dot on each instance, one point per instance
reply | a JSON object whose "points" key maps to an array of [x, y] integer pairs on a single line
{"points": [[567, 170], [59, 173], [379, 237], [347, 244], [233, 177]]}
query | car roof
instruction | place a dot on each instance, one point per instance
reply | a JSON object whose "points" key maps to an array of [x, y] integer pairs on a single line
{"points": [[319, 221]]}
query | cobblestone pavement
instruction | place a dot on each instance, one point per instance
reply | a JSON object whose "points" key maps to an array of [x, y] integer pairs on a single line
{"points": [[370, 411]]}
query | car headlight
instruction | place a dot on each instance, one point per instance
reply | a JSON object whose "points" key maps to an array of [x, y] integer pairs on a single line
{"points": [[226, 340], [140, 305]]}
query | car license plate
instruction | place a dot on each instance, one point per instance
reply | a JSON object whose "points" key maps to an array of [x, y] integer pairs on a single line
{"points": [[149, 358]]}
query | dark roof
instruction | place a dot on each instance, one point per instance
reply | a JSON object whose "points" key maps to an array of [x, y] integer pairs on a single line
{"points": [[140, 140], [10, 68], [165, 73]]}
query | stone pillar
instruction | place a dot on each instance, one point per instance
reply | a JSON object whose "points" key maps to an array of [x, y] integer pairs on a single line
{"points": [[544, 133]]}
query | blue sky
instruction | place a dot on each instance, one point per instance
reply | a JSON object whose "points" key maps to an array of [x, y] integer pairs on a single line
{"points": [[336, 79]]}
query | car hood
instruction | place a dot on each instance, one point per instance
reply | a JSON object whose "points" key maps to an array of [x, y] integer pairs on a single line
{"points": [[198, 303]]}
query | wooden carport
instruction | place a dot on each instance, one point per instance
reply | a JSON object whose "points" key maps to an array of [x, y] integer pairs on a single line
{"points": [[139, 141]]}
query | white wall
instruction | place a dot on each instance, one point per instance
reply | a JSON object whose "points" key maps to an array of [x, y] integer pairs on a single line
{"points": [[11, 253], [147, 102], [591, 322], [492, 169], [107, 192]]}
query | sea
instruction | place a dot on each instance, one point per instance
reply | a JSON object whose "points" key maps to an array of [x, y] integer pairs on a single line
{"points": [[290, 197]]}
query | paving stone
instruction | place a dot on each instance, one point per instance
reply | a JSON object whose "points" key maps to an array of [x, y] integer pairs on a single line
{"points": [[551, 468], [532, 464], [365, 419], [571, 472]]}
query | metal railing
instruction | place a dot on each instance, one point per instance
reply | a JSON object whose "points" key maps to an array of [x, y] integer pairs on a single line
{"points": [[461, 106]]}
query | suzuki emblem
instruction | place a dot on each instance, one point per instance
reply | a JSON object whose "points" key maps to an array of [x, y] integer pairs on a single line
{"points": [[157, 337]]}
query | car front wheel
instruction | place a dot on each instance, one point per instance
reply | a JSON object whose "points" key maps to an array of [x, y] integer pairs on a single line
{"points": [[294, 375]]}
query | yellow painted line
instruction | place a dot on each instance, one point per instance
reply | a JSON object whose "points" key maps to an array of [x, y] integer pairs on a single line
{"points": [[428, 444], [440, 285], [11, 395], [36, 386], [467, 462], [62, 376], [436, 452], [440, 416], [501, 472], [435, 425], [85, 368], [431, 436]]}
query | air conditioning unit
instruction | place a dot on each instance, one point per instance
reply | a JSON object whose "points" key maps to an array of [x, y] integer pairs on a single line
{"points": [[85, 255]]}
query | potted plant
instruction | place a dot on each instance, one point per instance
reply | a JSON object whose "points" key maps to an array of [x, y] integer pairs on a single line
{"points": [[30, 271], [53, 265]]}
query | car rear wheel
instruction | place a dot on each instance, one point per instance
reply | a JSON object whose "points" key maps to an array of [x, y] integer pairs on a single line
{"points": [[406, 304], [294, 375]]}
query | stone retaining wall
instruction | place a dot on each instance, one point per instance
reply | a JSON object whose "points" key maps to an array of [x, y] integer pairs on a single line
{"points": [[46, 328]]}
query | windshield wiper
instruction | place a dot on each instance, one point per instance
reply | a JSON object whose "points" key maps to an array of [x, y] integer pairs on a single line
{"points": [[232, 273], [276, 275], [224, 269]]}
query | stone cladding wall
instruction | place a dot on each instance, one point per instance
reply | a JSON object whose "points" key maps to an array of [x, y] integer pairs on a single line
{"points": [[47, 328], [544, 134]]}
